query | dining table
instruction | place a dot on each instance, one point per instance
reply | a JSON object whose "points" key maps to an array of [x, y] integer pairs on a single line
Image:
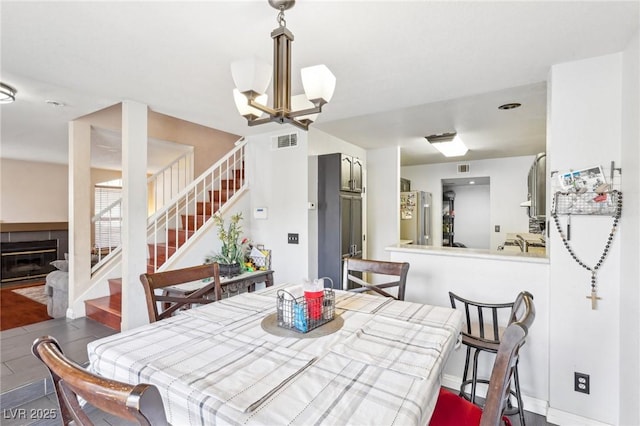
{"points": [[379, 361]]}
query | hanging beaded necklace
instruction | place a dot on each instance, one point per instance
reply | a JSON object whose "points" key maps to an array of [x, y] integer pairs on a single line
{"points": [[617, 195]]}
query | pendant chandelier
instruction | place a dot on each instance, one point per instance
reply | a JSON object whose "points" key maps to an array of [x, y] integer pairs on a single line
{"points": [[252, 78]]}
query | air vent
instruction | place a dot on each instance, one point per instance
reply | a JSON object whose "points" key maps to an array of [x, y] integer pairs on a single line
{"points": [[463, 168], [284, 141]]}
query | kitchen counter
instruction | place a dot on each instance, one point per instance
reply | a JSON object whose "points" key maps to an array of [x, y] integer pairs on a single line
{"points": [[515, 256]]}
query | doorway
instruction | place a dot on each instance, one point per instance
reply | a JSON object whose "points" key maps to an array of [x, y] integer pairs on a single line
{"points": [[466, 221]]}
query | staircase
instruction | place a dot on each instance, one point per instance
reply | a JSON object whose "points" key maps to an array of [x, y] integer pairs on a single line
{"points": [[171, 228]]}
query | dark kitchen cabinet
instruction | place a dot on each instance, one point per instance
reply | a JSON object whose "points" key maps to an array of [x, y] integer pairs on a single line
{"points": [[340, 212], [350, 172]]}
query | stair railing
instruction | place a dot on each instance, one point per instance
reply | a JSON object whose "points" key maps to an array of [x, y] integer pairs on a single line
{"points": [[173, 225], [165, 224], [164, 184], [170, 180], [107, 225]]}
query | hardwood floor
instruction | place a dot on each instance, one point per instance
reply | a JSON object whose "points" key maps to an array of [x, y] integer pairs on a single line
{"points": [[17, 310]]}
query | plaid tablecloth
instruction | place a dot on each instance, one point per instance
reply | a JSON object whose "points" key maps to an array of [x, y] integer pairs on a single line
{"points": [[215, 364]]}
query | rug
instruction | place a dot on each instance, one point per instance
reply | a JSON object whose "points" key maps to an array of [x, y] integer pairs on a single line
{"points": [[35, 293]]}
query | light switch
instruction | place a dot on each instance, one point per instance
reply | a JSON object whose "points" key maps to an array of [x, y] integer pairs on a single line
{"points": [[292, 238], [497, 228]]}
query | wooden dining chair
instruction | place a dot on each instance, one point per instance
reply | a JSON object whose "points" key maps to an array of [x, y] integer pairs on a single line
{"points": [[454, 410], [485, 324], [140, 403], [353, 270], [163, 305]]}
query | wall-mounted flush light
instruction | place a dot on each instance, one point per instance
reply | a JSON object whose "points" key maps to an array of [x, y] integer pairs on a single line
{"points": [[449, 144], [7, 94]]}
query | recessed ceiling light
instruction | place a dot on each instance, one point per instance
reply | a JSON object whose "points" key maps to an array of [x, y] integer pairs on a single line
{"points": [[511, 105], [472, 182], [53, 103]]}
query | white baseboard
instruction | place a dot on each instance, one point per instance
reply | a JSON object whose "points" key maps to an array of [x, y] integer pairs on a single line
{"points": [[559, 417], [533, 405]]}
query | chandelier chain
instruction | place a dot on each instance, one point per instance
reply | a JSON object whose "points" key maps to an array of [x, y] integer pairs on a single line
{"points": [[281, 21]]}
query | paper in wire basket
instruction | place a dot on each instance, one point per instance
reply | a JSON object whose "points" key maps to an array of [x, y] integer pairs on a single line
{"points": [[304, 313], [261, 258]]}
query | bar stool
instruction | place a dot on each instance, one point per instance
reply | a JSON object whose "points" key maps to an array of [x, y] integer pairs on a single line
{"points": [[485, 323]]}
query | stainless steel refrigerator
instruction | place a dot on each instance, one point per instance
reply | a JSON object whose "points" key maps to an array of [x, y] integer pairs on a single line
{"points": [[415, 217]]}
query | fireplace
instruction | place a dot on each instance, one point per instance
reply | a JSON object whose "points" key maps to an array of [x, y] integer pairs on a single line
{"points": [[29, 259]]}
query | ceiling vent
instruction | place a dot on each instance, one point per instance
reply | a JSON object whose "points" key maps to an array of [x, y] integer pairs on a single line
{"points": [[284, 141], [463, 168]]}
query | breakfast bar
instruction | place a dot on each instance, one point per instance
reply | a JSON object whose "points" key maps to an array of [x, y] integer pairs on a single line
{"points": [[490, 276]]}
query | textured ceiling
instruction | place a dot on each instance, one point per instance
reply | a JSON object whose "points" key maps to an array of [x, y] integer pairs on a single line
{"points": [[404, 69]]}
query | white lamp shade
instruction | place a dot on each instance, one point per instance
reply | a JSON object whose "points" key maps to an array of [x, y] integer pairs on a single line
{"points": [[454, 148], [318, 82], [300, 102], [242, 103], [251, 74]]}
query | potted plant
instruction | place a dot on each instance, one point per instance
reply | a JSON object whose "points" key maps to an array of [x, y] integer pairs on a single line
{"points": [[232, 254]]}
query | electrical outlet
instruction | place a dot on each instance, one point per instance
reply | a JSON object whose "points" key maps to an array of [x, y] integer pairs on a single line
{"points": [[292, 238], [581, 382]]}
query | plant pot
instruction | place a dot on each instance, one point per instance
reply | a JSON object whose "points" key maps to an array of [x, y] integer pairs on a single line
{"points": [[229, 269]]}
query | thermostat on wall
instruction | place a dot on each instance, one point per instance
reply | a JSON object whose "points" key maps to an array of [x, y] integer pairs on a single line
{"points": [[260, 213]]}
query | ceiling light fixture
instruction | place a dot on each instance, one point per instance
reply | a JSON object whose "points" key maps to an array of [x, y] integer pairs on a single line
{"points": [[511, 105], [56, 104], [7, 94], [252, 78], [449, 144]]}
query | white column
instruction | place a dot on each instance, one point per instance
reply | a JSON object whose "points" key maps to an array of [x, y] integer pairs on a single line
{"points": [[80, 194], [134, 207], [584, 130]]}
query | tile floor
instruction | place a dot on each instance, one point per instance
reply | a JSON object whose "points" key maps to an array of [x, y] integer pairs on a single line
{"points": [[24, 381]]}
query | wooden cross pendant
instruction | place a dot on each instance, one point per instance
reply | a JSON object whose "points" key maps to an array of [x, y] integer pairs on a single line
{"points": [[594, 299]]}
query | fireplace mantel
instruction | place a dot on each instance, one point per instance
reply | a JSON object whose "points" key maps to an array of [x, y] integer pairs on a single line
{"points": [[33, 226]]}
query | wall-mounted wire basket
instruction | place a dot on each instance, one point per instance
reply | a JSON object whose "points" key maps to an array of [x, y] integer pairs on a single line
{"points": [[307, 312], [586, 203], [263, 261]]}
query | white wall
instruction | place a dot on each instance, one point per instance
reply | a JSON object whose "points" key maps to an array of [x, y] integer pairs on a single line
{"points": [[585, 130], [383, 201], [472, 218], [629, 288], [278, 180], [33, 192], [508, 188]]}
